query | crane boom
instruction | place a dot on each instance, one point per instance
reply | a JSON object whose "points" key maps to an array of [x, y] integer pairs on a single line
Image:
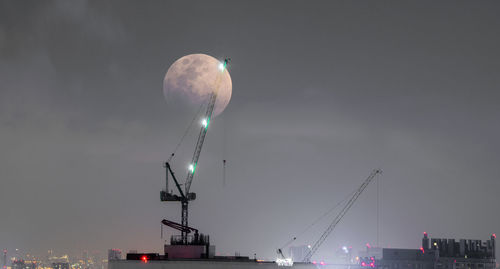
{"points": [[339, 217], [204, 128], [199, 143]]}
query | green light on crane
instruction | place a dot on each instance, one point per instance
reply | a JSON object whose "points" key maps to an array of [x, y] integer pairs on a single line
{"points": [[192, 168], [222, 66], [205, 122]]}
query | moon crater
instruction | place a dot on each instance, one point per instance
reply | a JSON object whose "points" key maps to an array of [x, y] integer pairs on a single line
{"points": [[192, 78]]}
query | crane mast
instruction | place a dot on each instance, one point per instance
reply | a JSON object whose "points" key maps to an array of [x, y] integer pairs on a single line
{"points": [[339, 217], [186, 196]]}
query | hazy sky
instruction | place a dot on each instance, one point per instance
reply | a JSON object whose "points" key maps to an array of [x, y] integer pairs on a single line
{"points": [[323, 92]]}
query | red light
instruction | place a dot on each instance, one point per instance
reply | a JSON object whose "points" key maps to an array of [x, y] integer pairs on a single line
{"points": [[425, 233], [322, 263], [314, 262], [368, 245], [372, 264], [422, 249], [144, 259], [363, 264], [494, 235]]}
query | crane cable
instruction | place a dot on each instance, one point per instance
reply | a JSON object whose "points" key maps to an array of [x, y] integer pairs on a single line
{"points": [[317, 220], [185, 133]]}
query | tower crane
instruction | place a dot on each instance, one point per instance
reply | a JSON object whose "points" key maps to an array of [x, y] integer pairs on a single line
{"points": [[184, 195], [339, 217]]}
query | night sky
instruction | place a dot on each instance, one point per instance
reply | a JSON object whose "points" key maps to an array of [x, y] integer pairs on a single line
{"points": [[323, 92]]}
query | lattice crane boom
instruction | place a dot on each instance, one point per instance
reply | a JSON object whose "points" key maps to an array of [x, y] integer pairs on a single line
{"points": [[204, 128], [339, 217]]}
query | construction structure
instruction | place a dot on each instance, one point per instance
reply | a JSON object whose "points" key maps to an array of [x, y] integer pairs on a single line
{"points": [[186, 245], [311, 250], [192, 249], [342, 213], [438, 253]]}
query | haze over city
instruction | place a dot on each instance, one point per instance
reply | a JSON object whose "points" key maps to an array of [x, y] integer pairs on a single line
{"points": [[323, 92]]}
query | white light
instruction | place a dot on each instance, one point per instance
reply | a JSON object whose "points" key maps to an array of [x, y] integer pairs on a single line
{"points": [[204, 122], [308, 246], [221, 67], [344, 248], [284, 262], [191, 167]]}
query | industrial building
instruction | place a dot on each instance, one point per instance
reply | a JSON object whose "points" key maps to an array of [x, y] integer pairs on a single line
{"points": [[114, 254], [438, 253]]}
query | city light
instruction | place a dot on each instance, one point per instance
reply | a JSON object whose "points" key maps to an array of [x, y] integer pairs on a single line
{"points": [[284, 262], [371, 264]]}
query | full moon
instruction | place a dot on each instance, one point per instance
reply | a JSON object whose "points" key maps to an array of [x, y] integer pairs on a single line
{"points": [[192, 78]]}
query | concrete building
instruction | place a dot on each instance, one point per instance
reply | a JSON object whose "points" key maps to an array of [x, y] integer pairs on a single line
{"points": [[203, 264], [114, 254], [438, 253], [157, 261], [4, 259], [370, 251], [18, 264], [60, 265]]}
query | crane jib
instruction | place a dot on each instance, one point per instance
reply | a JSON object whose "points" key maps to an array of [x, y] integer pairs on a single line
{"points": [[337, 219], [204, 129]]}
